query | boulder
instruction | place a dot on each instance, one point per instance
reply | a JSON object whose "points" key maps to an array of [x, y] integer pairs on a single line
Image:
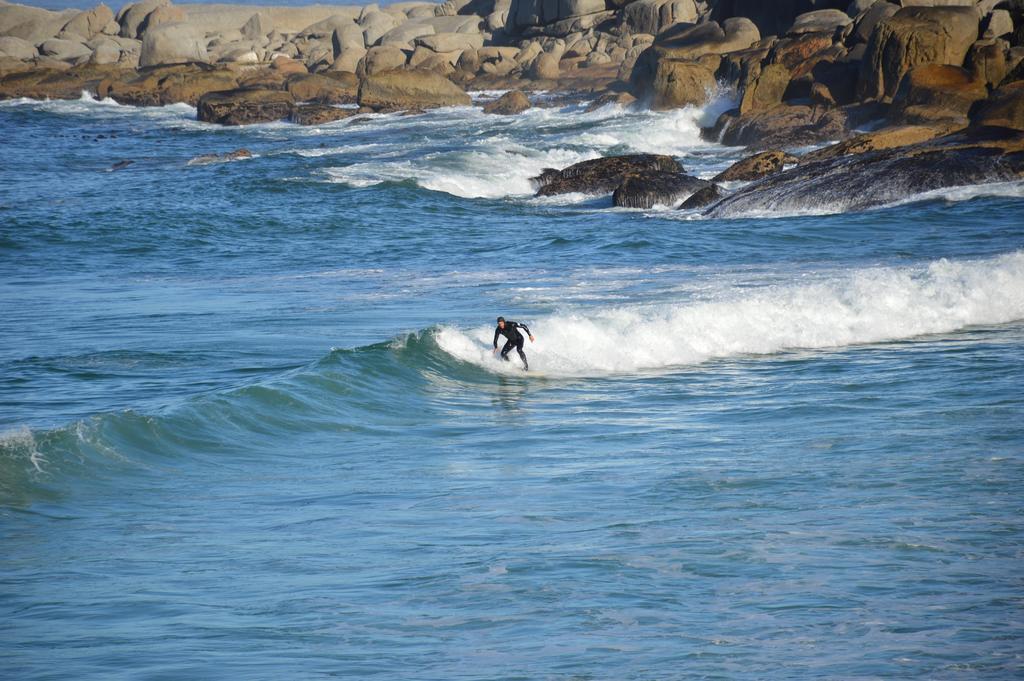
{"points": [[326, 28], [451, 42], [912, 37], [528, 13], [601, 175], [31, 23], [347, 37], [403, 90], [404, 34], [678, 84], [287, 65], [771, 18], [90, 23], [48, 83], [106, 52], [167, 14], [1004, 109], [936, 92], [694, 41], [64, 50], [998, 24], [651, 16], [655, 188], [820, 21], [705, 196], [544, 67], [884, 138], [785, 126], [320, 89], [259, 26], [173, 44], [132, 16], [987, 62], [17, 48], [375, 25], [348, 60], [508, 104], [867, 21], [319, 114], [877, 178], [382, 58], [244, 107], [766, 89], [756, 166]]}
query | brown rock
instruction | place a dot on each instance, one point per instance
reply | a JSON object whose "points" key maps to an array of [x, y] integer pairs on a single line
{"points": [[398, 90], [322, 89], [936, 92], [288, 65], [244, 107], [601, 175], [766, 89], [756, 166], [508, 104], [544, 67], [45, 83], [987, 61], [912, 37], [885, 138], [783, 126], [161, 85], [1004, 109], [702, 197], [319, 114]]}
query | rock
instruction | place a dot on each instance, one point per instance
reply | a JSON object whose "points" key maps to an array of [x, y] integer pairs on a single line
{"points": [[173, 44], [987, 62], [398, 90], [770, 18], [90, 23], [936, 92], [50, 83], [876, 178], [601, 175], [259, 26], [912, 37], [31, 23], [756, 166], [348, 60], [106, 52], [885, 138], [611, 98], [999, 23], [64, 50], [766, 90], [244, 107], [866, 22], [320, 89], [667, 83], [1004, 109], [326, 28], [819, 21], [131, 17], [347, 37], [383, 58], [286, 64], [544, 67], [121, 165], [318, 114], [167, 14], [651, 16], [508, 104], [655, 188], [451, 42], [206, 159], [166, 85], [524, 14], [702, 197], [375, 25], [403, 35], [17, 48], [692, 42], [784, 126]]}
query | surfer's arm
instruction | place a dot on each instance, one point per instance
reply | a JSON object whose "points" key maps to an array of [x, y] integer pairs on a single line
{"points": [[525, 328], [497, 332]]}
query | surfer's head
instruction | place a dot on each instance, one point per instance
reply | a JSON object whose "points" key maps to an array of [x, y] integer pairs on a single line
{"points": [[501, 322]]}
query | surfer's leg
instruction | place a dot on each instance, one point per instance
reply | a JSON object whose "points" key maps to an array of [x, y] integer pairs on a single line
{"points": [[522, 355], [507, 349]]}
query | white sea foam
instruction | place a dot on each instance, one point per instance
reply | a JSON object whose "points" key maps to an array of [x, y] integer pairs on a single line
{"points": [[855, 307], [20, 443]]}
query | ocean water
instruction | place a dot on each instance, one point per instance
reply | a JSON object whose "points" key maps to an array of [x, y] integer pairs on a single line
{"points": [[251, 426]]}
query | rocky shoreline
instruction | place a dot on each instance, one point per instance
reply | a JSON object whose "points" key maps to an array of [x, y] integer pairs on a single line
{"points": [[922, 94]]}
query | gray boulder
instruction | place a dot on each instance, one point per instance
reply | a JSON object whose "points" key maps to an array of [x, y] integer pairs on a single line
{"points": [[651, 16], [64, 50], [31, 23], [819, 21], [131, 17], [17, 48], [173, 44], [90, 23]]}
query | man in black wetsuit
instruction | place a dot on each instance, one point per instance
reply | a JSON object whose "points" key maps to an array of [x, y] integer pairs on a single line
{"points": [[514, 339]]}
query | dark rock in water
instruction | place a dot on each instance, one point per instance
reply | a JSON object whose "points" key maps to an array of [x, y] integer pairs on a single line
{"points": [[121, 164], [877, 178], [756, 166], [656, 187], [702, 197], [206, 159], [601, 175], [780, 127], [318, 114], [508, 104], [244, 107]]}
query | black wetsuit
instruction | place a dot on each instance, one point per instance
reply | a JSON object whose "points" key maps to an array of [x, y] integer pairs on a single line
{"points": [[514, 340]]}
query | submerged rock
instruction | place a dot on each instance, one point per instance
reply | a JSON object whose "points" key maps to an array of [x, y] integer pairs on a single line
{"points": [[877, 178], [601, 175], [655, 188], [207, 159], [508, 104], [756, 166], [319, 114], [702, 197]]}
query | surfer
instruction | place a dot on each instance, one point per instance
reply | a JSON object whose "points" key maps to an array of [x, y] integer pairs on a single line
{"points": [[513, 339]]}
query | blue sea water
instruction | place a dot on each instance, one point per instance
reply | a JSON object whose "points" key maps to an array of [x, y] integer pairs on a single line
{"points": [[251, 426]]}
